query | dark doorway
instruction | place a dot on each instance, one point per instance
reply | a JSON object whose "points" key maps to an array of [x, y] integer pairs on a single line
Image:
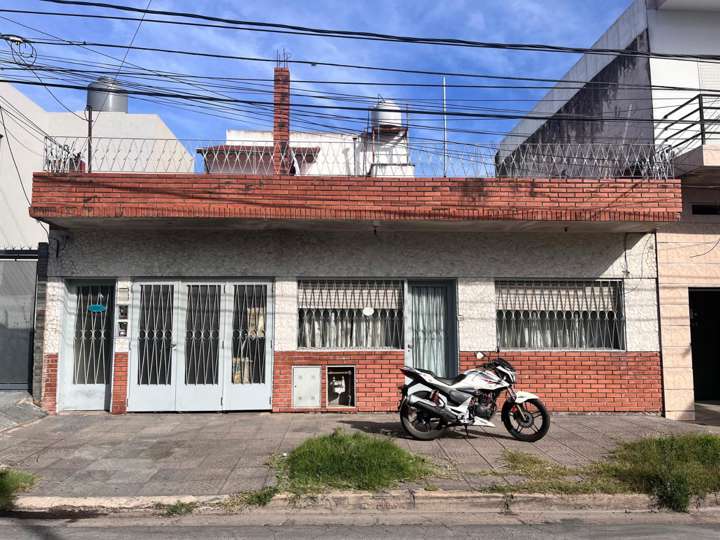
{"points": [[17, 318], [705, 343]]}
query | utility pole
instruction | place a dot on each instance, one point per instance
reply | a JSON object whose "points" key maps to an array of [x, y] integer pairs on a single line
{"points": [[89, 137], [444, 130]]}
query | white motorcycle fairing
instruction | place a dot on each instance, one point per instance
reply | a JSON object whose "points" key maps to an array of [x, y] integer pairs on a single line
{"points": [[522, 397]]}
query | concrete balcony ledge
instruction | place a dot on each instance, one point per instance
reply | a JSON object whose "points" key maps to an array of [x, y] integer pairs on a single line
{"points": [[107, 199]]}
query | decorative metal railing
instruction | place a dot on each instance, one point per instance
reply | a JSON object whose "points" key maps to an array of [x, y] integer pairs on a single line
{"points": [[693, 123], [356, 156]]}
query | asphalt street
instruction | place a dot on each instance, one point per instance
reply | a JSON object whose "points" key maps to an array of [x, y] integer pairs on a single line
{"points": [[368, 526]]}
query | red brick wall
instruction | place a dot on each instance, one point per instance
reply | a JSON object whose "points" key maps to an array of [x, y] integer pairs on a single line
{"points": [[587, 381], [377, 377], [566, 381], [282, 159], [109, 195], [49, 383], [118, 403]]}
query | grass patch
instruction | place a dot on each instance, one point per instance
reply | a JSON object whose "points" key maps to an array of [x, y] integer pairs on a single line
{"points": [[349, 461], [178, 508], [11, 482], [675, 470]]}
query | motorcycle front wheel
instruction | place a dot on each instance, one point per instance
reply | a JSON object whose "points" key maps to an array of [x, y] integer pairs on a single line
{"points": [[528, 421], [420, 424]]}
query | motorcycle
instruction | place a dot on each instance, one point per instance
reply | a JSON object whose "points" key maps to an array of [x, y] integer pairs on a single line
{"points": [[430, 405]]}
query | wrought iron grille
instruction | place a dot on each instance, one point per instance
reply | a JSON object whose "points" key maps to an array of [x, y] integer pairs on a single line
{"points": [[155, 336], [343, 155], [93, 334], [249, 334], [350, 314], [560, 314], [202, 334]]}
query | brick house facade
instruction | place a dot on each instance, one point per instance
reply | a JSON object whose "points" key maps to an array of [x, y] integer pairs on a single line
{"points": [[290, 292]]}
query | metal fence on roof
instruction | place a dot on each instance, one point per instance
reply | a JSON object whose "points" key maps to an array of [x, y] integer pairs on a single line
{"points": [[356, 156]]}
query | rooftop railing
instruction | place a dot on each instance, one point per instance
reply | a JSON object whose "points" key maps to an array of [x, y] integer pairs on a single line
{"points": [[694, 123], [355, 156]]}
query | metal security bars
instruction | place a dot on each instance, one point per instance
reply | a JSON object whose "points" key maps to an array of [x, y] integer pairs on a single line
{"points": [[155, 337], [345, 155], [93, 334], [249, 334], [560, 314], [350, 314], [202, 334]]}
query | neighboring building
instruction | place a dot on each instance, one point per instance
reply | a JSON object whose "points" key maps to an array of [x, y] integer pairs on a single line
{"points": [[295, 289], [640, 97], [26, 129]]}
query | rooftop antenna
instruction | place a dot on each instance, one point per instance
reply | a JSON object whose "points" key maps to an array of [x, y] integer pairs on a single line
{"points": [[282, 58]]}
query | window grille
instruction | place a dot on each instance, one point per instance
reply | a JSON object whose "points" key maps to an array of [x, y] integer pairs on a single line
{"points": [[350, 314], [560, 314]]}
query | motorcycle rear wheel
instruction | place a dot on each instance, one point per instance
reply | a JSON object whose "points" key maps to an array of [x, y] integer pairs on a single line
{"points": [[420, 424], [531, 429]]}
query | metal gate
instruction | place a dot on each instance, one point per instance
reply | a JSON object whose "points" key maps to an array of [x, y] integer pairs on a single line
{"points": [[17, 312], [200, 346], [85, 367]]}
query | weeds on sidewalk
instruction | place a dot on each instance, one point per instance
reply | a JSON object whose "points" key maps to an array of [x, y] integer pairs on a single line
{"points": [[258, 497], [178, 508], [348, 461], [674, 470], [11, 482]]}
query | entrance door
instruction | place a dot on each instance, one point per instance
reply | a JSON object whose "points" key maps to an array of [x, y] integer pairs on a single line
{"points": [[86, 363], [151, 385], [433, 328], [199, 384], [705, 340], [200, 347], [247, 373]]}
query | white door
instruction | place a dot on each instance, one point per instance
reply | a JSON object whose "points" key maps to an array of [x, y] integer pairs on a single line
{"points": [[248, 362], [203, 316], [153, 345], [85, 364], [201, 346]]}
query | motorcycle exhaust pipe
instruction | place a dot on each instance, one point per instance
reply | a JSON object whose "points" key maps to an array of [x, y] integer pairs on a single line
{"points": [[437, 411]]}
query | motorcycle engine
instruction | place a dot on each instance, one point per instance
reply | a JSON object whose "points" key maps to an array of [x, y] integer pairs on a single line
{"points": [[485, 406]]}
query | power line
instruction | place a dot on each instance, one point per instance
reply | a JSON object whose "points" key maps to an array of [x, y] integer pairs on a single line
{"points": [[377, 36]]}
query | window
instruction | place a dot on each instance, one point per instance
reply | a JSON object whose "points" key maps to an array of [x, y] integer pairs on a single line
{"points": [[350, 314], [560, 314]]}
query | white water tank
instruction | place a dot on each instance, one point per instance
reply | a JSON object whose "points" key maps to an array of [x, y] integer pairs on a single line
{"points": [[386, 114], [103, 95]]}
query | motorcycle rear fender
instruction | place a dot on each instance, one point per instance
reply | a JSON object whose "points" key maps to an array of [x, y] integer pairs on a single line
{"points": [[522, 397]]}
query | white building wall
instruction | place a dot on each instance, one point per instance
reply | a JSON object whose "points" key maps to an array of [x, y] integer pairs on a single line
{"points": [[474, 259], [17, 228]]}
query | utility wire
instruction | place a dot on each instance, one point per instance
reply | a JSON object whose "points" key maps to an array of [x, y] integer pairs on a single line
{"points": [[377, 36]]}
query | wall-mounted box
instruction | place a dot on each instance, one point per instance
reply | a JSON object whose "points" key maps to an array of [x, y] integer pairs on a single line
{"points": [[306, 386], [341, 386]]}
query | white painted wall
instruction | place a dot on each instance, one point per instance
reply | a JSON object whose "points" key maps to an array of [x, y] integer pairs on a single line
{"points": [[27, 144]]}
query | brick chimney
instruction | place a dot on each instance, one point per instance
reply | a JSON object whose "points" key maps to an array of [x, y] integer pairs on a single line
{"points": [[282, 160]]}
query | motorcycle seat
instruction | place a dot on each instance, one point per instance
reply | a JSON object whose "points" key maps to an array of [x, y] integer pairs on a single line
{"points": [[444, 380]]}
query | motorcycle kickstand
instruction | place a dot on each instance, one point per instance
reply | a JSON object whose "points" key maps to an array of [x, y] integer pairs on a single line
{"points": [[467, 434]]}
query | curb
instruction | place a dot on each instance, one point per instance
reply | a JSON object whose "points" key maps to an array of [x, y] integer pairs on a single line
{"points": [[353, 501]]}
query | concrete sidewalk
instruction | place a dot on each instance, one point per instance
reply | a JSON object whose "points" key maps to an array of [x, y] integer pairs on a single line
{"points": [[98, 455], [16, 409]]}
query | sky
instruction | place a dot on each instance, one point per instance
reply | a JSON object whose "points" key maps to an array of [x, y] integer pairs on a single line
{"points": [[561, 22]]}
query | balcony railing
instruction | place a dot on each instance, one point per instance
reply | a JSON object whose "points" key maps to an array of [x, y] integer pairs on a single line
{"points": [[694, 123], [355, 156]]}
